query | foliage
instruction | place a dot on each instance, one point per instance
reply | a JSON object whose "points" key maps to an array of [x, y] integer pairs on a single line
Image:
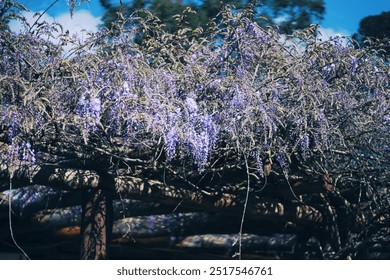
{"points": [[9, 11], [241, 100]]}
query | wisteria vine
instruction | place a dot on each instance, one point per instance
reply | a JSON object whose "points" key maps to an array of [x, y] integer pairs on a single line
{"points": [[252, 91]]}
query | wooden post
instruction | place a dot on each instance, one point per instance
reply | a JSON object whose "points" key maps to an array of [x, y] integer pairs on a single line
{"points": [[96, 224]]}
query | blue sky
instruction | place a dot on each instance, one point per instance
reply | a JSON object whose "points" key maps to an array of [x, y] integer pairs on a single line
{"points": [[342, 16], [346, 14]]}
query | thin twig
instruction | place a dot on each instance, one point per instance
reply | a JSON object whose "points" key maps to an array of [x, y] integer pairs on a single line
{"points": [[44, 12], [10, 219]]}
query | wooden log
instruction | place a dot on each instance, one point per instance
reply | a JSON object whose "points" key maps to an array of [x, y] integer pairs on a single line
{"points": [[146, 189], [163, 223], [54, 176], [70, 216], [29, 200], [43, 207], [172, 225], [297, 187], [68, 232], [207, 246], [260, 208], [175, 226], [252, 242]]}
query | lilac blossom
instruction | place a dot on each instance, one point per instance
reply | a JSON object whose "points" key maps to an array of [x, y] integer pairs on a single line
{"points": [[256, 155], [172, 139], [329, 70], [387, 119], [191, 106], [95, 107], [354, 64], [89, 108], [304, 143], [126, 89]]}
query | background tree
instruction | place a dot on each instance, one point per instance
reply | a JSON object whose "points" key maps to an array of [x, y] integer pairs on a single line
{"points": [[294, 14], [375, 27], [289, 15]]}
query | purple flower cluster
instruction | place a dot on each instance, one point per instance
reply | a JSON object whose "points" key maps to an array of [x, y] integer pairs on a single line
{"points": [[28, 154], [19, 154], [387, 119], [329, 71], [253, 30], [89, 109], [304, 142], [192, 107], [171, 140], [196, 133], [204, 141], [256, 156], [354, 65], [282, 159]]}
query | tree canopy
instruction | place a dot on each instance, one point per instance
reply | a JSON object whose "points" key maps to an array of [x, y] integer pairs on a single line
{"points": [[375, 27], [213, 123]]}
